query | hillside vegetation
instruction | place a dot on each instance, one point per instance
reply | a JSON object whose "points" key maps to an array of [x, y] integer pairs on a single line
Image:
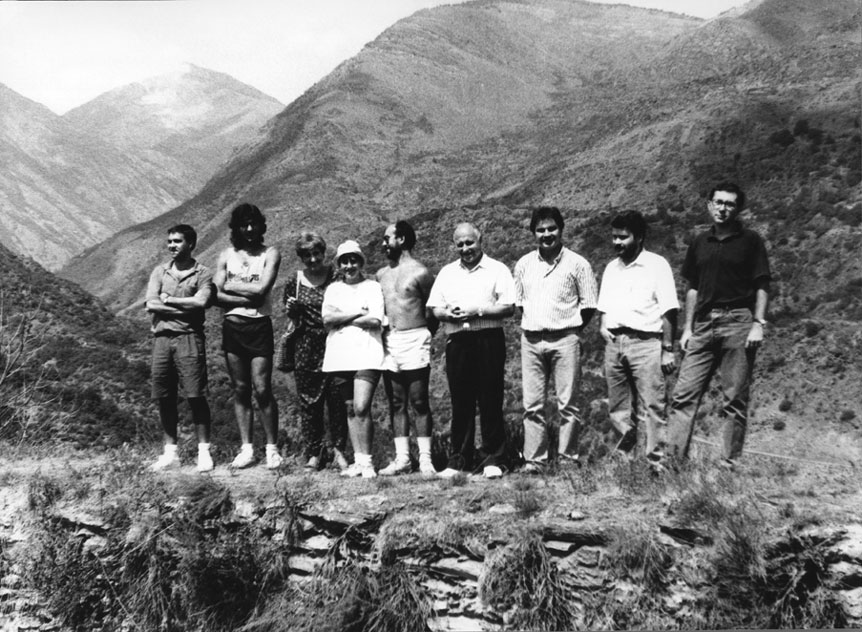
{"points": [[507, 104], [70, 371]]}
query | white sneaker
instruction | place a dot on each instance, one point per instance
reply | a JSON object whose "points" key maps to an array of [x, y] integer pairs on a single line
{"points": [[356, 470], [492, 471], [396, 467], [243, 459], [205, 462], [449, 472], [165, 462], [273, 460], [426, 467], [352, 471]]}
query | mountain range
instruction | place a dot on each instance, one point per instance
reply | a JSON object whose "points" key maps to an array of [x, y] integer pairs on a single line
{"points": [[129, 155], [479, 111], [512, 103]]}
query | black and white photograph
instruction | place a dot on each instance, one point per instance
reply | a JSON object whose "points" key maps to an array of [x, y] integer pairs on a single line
{"points": [[430, 315]]}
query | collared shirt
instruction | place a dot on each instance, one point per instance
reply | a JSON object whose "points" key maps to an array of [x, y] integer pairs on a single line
{"points": [[553, 294], [638, 294], [726, 272], [489, 282], [182, 284]]}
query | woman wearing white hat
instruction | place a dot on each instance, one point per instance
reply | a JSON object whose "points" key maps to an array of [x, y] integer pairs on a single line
{"points": [[353, 315]]}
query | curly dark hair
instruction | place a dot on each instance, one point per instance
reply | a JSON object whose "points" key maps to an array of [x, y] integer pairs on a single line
{"points": [[243, 214]]}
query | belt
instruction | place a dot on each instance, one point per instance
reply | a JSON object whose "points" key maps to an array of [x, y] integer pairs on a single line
{"points": [[549, 334], [635, 333]]}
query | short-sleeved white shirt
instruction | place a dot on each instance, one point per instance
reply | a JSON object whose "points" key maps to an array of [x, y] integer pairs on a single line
{"points": [[352, 348], [489, 282], [638, 294]]}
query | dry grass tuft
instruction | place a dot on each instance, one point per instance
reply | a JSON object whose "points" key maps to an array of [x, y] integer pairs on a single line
{"points": [[347, 597], [522, 579]]}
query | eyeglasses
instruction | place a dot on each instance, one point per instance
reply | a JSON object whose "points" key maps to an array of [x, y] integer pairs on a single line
{"points": [[725, 203]]}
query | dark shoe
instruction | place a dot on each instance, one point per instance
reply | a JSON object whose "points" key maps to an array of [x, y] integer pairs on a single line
{"points": [[728, 465], [628, 441]]}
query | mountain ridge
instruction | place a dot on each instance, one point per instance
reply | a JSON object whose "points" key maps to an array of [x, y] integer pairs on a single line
{"points": [[73, 180]]}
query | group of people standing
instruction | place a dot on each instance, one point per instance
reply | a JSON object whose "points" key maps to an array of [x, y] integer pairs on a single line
{"points": [[353, 330]]}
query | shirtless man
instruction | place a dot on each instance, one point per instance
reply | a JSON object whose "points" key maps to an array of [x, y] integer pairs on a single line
{"points": [[407, 342]]}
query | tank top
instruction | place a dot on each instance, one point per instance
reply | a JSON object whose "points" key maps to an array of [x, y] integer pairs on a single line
{"points": [[241, 266]]}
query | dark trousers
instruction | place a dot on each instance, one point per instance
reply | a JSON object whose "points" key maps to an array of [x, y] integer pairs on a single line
{"points": [[316, 389], [474, 366]]}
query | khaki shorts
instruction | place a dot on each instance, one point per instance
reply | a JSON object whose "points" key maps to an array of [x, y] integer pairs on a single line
{"points": [[406, 350], [179, 365]]}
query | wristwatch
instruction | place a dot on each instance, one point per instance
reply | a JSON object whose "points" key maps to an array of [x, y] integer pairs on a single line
{"points": [[762, 321], [667, 347]]}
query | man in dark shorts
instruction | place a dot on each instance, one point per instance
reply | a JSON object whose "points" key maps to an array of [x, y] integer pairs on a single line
{"points": [[244, 278], [178, 294]]}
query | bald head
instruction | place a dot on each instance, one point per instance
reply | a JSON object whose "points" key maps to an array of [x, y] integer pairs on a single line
{"points": [[468, 242]]}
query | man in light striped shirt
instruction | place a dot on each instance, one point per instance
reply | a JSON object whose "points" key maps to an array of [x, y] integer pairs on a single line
{"points": [[555, 291]]}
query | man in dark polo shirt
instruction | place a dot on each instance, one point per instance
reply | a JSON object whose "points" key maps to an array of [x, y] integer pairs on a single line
{"points": [[727, 270]]}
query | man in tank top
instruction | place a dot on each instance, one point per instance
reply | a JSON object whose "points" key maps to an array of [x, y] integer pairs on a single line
{"points": [[244, 277]]}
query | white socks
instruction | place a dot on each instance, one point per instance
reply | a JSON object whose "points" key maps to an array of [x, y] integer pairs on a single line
{"points": [[402, 449], [424, 444]]}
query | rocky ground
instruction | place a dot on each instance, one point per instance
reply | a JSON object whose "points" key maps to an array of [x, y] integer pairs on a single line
{"points": [[626, 549]]}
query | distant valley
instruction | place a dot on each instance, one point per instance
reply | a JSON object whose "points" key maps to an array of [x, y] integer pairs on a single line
{"points": [[590, 107], [131, 154], [478, 111]]}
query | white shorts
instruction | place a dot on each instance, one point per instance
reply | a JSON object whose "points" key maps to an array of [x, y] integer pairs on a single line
{"points": [[406, 350]]}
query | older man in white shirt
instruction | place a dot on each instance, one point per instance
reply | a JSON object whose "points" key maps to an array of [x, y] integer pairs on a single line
{"points": [[471, 297], [638, 305]]}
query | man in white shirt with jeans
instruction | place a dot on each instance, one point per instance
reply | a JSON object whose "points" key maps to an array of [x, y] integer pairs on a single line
{"points": [[556, 294], [638, 305]]}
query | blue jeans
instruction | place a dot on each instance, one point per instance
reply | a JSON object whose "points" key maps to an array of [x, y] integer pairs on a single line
{"points": [[718, 342], [636, 386], [544, 354]]}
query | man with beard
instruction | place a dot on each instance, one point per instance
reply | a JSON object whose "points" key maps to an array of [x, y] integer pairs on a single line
{"points": [[471, 297], [406, 284], [638, 307], [728, 275], [556, 293]]}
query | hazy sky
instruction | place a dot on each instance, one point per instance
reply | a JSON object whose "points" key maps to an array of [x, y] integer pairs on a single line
{"points": [[62, 54]]}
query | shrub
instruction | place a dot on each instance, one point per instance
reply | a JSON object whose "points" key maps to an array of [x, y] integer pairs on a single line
{"points": [[348, 597], [523, 579], [782, 137], [637, 552]]}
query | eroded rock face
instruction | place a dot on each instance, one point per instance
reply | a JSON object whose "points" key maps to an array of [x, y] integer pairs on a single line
{"points": [[451, 580]]}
